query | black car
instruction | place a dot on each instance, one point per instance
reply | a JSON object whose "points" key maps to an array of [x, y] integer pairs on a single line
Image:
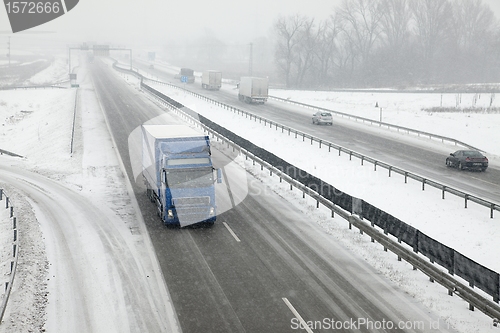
{"points": [[467, 159]]}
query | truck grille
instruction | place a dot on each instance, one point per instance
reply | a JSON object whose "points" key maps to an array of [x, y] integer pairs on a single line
{"points": [[191, 201], [192, 214]]}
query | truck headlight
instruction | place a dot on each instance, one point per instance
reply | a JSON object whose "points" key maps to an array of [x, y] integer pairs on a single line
{"points": [[170, 214], [212, 211]]}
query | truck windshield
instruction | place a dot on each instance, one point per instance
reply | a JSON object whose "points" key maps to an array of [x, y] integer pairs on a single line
{"points": [[190, 178]]}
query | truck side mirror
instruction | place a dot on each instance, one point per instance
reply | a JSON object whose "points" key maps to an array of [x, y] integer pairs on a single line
{"points": [[219, 176]]}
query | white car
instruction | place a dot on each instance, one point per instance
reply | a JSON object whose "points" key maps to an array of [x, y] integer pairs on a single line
{"points": [[322, 117]]}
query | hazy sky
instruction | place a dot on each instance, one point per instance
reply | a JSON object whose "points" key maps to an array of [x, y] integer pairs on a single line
{"points": [[133, 21], [149, 22]]}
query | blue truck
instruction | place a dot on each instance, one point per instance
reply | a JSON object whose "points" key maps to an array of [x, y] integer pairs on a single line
{"points": [[179, 175]]}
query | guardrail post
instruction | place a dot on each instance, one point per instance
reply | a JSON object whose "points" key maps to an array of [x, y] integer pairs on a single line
{"points": [[492, 207], [1, 194], [362, 159], [444, 190], [320, 143], [6, 202], [406, 177], [390, 169], [375, 166], [471, 306], [423, 184], [350, 155], [466, 198], [11, 211]]}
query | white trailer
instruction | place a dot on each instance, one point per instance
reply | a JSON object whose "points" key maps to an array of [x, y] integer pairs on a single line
{"points": [[253, 89], [211, 80]]}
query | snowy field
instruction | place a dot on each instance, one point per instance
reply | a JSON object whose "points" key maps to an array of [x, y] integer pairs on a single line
{"points": [[49, 111]]}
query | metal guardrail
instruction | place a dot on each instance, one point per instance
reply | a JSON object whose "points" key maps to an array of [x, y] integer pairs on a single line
{"points": [[37, 86], [74, 123], [6, 152], [380, 123], [15, 255], [429, 268], [492, 206], [435, 274]]}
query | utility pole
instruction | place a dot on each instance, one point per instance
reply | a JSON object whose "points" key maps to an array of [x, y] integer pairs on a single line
{"points": [[8, 47], [250, 62]]}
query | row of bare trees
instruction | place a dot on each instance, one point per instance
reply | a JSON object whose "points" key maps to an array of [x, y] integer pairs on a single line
{"points": [[390, 43]]}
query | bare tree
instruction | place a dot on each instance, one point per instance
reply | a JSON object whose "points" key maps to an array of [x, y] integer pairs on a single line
{"points": [[472, 22], [361, 26], [395, 18], [394, 55], [304, 58], [326, 50], [288, 31], [432, 24], [388, 42]]}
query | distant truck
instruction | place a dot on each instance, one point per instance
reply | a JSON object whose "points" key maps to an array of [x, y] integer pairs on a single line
{"points": [[178, 173], [186, 75], [211, 80], [253, 89]]}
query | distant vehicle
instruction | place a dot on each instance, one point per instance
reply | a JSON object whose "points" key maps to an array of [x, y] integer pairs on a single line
{"points": [[211, 80], [322, 117], [253, 89], [186, 75], [178, 173], [467, 159]]}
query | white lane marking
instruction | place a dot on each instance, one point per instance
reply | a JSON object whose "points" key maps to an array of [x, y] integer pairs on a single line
{"points": [[297, 315], [231, 231]]}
